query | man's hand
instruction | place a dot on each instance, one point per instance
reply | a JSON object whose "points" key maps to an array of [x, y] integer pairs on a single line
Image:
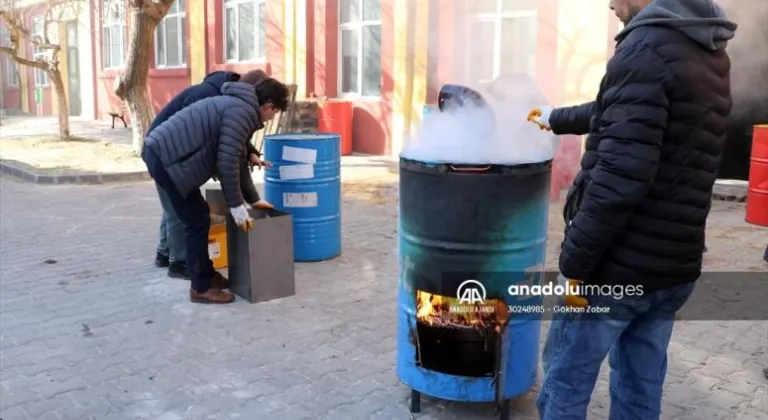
{"points": [[540, 116], [256, 161], [263, 205], [241, 217]]}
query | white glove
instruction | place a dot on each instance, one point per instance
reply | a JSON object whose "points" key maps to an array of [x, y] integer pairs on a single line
{"points": [[262, 205], [540, 116], [242, 218]]}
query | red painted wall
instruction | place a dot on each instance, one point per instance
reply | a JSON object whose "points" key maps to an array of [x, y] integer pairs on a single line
{"points": [[11, 99], [273, 65], [162, 84], [372, 118]]}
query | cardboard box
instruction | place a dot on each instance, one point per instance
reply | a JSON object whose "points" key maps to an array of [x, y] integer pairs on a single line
{"points": [[261, 260], [217, 245]]}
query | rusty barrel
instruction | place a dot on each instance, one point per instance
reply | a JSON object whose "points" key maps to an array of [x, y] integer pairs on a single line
{"points": [[757, 190]]}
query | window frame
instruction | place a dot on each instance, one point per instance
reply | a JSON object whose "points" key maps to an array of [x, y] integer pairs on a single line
{"points": [[358, 27], [261, 56], [110, 24], [181, 16], [5, 36], [11, 69], [497, 18], [37, 29]]}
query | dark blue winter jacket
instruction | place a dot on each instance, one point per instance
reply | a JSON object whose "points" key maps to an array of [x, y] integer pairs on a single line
{"points": [[209, 137], [656, 132], [210, 86]]}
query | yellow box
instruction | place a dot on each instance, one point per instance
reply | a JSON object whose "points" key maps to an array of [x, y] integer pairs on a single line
{"points": [[217, 245]]}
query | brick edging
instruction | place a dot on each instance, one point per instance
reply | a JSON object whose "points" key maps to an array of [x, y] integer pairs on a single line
{"points": [[84, 178]]}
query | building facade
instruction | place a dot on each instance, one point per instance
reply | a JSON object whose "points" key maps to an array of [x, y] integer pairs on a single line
{"points": [[28, 90], [389, 57]]}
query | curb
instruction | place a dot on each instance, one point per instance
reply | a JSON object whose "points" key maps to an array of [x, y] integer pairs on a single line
{"points": [[730, 192], [59, 179]]}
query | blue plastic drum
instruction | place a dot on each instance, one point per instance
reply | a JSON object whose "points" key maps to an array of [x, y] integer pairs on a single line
{"points": [[305, 181]]}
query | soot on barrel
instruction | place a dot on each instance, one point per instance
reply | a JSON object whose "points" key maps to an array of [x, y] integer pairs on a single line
{"points": [[458, 227]]}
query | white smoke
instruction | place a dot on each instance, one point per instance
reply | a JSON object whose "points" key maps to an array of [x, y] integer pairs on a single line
{"points": [[465, 136]]}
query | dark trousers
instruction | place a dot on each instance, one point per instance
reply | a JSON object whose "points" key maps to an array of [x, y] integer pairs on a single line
{"points": [[194, 213]]}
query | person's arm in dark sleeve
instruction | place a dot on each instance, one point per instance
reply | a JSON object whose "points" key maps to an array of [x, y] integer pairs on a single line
{"points": [[572, 119], [252, 149], [233, 134], [250, 193], [631, 133]]}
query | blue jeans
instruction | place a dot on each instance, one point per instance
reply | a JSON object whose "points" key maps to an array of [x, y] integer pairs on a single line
{"points": [[636, 333], [194, 213], [172, 243]]}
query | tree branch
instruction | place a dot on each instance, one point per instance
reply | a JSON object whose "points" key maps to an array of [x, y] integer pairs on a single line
{"points": [[17, 31], [23, 61]]}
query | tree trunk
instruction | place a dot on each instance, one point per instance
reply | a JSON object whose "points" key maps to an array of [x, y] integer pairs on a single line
{"points": [[61, 98], [133, 84]]}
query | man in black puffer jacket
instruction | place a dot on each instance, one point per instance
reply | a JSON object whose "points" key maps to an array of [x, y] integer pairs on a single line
{"points": [[636, 214], [171, 251], [206, 138]]}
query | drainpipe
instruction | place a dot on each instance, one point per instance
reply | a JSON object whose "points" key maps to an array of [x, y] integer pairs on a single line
{"points": [[2, 94]]}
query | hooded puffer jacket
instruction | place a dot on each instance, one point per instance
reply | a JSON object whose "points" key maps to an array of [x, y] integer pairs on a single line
{"points": [[207, 137], [637, 211]]}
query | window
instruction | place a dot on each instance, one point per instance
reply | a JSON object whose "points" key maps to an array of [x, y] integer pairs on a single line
{"points": [[360, 47], [11, 69], [11, 72], [5, 37], [508, 28], [245, 36], [38, 27], [170, 38], [112, 33]]}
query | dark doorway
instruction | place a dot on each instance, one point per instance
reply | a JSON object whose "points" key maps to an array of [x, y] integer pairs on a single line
{"points": [[73, 70]]}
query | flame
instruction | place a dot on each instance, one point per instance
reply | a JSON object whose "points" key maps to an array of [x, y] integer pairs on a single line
{"points": [[436, 310]]}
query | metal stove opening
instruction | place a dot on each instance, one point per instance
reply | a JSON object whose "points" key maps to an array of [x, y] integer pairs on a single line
{"points": [[458, 338]]}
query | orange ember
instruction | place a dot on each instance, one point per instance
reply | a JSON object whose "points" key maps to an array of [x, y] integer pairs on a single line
{"points": [[437, 310]]}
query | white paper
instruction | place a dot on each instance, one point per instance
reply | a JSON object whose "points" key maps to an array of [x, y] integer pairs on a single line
{"points": [[305, 200], [305, 171], [214, 250], [298, 154]]}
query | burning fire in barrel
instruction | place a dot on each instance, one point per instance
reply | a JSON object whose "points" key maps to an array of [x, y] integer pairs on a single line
{"points": [[449, 312]]}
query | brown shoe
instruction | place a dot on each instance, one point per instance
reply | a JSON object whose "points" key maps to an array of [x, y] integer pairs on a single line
{"points": [[211, 295], [219, 281]]}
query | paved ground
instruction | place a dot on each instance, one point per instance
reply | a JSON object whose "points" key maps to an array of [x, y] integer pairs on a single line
{"points": [[100, 334], [20, 126]]}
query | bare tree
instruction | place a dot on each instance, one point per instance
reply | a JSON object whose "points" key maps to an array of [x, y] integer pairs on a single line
{"points": [[45, 41], [144, 15]]}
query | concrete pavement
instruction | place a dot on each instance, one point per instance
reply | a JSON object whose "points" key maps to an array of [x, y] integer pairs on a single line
{"points": [[89, 329]]}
